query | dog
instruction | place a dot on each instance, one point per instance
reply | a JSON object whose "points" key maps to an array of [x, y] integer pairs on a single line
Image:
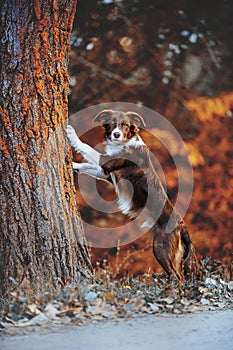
{"points": [[127, 164]]}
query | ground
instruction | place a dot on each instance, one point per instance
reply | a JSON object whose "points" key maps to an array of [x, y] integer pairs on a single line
{"points": [[127, 313], [205, 330]]}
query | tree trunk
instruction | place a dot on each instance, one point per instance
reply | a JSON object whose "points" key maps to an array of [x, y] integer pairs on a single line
{"points": [[41, 237]]}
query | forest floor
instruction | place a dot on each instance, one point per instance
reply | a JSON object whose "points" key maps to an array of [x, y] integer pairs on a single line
{"points": [[127, 313]]}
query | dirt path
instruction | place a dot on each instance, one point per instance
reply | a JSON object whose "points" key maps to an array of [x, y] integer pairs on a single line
{"points": [[205, 331]]}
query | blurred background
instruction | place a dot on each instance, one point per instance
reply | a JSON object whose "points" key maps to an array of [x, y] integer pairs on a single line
{"points": [[174, 57]]}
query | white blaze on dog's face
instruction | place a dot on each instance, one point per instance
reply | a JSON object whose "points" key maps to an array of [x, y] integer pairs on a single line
{"points": [[118, 129], [120, 126], [117, 134]]}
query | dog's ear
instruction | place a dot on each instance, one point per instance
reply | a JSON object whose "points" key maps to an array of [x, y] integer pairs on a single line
{"points": [[103, 116], [136, 119]]}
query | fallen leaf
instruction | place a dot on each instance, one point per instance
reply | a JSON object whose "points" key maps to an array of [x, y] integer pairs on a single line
{"points": [[70, 312], [109, 297], [204, 301], [32, 309], [168, 301], [154, 307]]}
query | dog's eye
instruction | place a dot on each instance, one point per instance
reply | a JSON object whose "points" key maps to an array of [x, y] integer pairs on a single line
{"points": [[124, 124], [106, 126]]}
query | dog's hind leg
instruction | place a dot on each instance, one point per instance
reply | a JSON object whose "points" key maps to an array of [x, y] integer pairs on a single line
{"points": [[190, 263], [168, 251], [175, 252]]}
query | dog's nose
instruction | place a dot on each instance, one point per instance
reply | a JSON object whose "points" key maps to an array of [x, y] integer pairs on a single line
{"points": [[116, 135]]}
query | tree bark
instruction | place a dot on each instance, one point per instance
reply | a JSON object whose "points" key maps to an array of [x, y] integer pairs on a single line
{"points": [[42, 243]]}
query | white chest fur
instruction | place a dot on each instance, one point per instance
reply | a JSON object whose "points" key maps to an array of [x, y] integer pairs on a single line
{"points": [[124, 188], [124, 191], [113, 148]]}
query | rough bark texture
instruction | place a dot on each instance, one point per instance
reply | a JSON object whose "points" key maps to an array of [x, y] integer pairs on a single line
{"points": [[41, 236]]}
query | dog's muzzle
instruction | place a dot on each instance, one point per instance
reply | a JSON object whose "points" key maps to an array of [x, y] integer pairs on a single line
{"points": [[117, 135]]}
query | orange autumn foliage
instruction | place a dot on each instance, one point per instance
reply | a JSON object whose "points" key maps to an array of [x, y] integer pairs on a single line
{"points": [[208, 108], [210, 214]]}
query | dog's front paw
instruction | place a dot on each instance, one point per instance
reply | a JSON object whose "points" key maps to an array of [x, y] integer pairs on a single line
{"points": [[76, 166], [73, 137]]}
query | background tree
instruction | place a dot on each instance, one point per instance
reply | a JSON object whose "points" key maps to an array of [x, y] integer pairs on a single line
{"points": [[41, 242]]}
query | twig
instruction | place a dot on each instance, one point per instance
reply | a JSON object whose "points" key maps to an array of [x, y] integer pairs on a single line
{"points": [[212, 55], [111, 75]]}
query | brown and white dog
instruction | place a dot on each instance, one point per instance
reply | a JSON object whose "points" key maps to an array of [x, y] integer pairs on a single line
{"points": [[127, 158]]}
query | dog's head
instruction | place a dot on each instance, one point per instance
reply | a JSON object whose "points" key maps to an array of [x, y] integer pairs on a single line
{"points": [[119, 126]]}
